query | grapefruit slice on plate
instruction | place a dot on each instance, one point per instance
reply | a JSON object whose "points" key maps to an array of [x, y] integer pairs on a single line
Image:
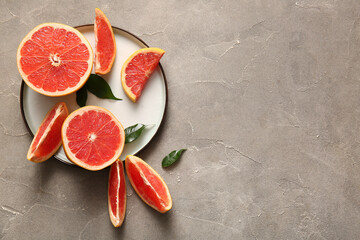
{"points": [[92, 137], [47, 139], [54, 59], [148, 184], [137, 69], [105, 46], [117, 193]]}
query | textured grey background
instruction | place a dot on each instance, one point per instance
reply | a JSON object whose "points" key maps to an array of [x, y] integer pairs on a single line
{"points": [[264, 94]]}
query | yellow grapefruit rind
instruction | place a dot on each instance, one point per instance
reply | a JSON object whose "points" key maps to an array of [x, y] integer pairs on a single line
{"points": [[127, 90], [100, 13], [30, 155], [72, 157], [134, 160], [114, 220], [83, 79]]}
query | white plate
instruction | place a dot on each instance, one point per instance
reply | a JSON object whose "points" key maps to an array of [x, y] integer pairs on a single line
{"points": [[149, 109]]}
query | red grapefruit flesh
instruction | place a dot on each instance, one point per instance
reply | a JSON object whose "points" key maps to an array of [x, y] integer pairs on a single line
{"points": [[117, 193], [54, 59], [137, 69], [47, 139], [148, 184], [105, 46], [92, 137]]}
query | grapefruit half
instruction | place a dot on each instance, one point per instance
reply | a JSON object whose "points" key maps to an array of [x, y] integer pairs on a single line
{"points": [[47, 139], [92, 137], [54, 59], [137, 69], [148, 184], [105, 46], [117, 193]]}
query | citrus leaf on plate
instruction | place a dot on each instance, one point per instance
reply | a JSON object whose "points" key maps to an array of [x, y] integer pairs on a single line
{"points": [[81, 96], [172, 157], [99, 87], [133, 132]]}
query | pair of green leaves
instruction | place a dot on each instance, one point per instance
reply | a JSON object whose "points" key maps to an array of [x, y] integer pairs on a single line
{"points": [[97, 86], [133, 132]]}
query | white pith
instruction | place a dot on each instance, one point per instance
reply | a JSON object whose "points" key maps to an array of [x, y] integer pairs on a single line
{"points": [[92, 137], [118, 190], [55, 60], [146, 181]]}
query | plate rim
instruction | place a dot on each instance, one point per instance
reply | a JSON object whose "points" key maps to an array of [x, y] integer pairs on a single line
{"points": [[162, 117]]}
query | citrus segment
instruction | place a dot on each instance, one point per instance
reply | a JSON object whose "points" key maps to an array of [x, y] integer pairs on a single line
{"points": [[92, 137], [117, 193], [47, 139], [105, 46], [137, 69], [54, 59], [148, 184]]}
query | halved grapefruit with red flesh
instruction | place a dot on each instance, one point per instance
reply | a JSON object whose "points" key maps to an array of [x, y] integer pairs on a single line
{"points": [[117, 193], [105, 46], [92, 137], [54, 59], [47, 139], [137, 69], [148, 184]]}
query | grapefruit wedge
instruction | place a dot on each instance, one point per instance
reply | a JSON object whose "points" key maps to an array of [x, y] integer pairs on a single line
{"points": [[117, 193], [47, 139], [105, 46], [137, 69], [54, 59], [148, 184], [92, 138]]}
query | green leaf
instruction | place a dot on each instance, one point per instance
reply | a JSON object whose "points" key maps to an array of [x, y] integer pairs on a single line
{"points": [[172, 157], [99, 87], [81, 96], [133, 132]]}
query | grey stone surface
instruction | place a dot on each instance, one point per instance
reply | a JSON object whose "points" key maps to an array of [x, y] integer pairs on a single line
{"points": [[264, 95]]}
